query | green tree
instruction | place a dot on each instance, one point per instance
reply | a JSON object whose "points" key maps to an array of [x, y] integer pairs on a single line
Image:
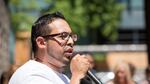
{"points": [[25, 12], [91, 19], [101, 16]]}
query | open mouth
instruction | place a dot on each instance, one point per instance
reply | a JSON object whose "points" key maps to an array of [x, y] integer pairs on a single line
{"points": [[68, 53]]}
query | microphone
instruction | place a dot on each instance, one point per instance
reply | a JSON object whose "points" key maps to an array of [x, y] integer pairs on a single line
{"points": [[89, 73], [93, 77]]}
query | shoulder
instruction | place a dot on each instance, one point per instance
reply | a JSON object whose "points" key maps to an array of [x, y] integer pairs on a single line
{"points": [[110, 82], [30, 70], [36, 73], [37, 80], [32, 80]]}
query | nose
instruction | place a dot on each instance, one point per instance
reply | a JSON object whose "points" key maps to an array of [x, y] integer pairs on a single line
{"points": [[70, 41]]}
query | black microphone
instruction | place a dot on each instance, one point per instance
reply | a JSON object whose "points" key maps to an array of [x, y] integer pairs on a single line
{"points": [[93, 77]]}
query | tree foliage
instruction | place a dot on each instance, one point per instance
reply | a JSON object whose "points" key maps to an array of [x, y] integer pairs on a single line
{"points": [[94, 15], [25, 12], [103, 15]]}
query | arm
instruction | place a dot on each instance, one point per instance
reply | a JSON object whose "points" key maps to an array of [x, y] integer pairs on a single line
{"points": [[79, 67]]}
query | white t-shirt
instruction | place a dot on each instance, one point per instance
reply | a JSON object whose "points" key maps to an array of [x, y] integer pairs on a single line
{"points": [[34, 72]]}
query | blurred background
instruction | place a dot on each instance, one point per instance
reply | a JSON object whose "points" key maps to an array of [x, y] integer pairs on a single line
{"points": [[112, 30]]}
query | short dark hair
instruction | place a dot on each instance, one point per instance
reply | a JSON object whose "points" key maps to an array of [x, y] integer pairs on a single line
{"points": [[41, 28]]}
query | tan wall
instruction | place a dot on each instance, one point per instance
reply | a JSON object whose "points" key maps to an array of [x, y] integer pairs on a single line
{"points": [[139, 59]]}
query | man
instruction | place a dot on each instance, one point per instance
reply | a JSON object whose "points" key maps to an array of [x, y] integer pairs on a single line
{"points": [[52, 44]]}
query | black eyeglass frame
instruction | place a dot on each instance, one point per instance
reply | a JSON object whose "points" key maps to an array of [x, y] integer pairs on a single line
{"points": [[72, 35]]}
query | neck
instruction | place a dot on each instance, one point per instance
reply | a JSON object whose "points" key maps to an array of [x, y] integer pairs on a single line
{"points": [[50, 62], [50, 65], [55, 68]]}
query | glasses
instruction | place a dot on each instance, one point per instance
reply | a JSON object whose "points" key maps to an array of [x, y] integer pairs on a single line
{"points": [[64, 36]]}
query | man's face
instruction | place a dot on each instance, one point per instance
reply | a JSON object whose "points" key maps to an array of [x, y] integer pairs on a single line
{"points": [[59, 50]]}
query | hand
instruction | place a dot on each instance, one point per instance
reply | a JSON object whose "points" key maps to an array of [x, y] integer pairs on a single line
{"points": [[79, 66]]}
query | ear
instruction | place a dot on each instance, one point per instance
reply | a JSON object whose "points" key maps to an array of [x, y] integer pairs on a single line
{"points": [[41, 42]]}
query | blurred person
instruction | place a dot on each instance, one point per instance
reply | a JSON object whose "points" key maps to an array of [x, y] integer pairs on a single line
{"points": [[7, 74], [90, 57], [132, 69], [52, 45], [86, 79], [147, 74], [122, 74]]}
